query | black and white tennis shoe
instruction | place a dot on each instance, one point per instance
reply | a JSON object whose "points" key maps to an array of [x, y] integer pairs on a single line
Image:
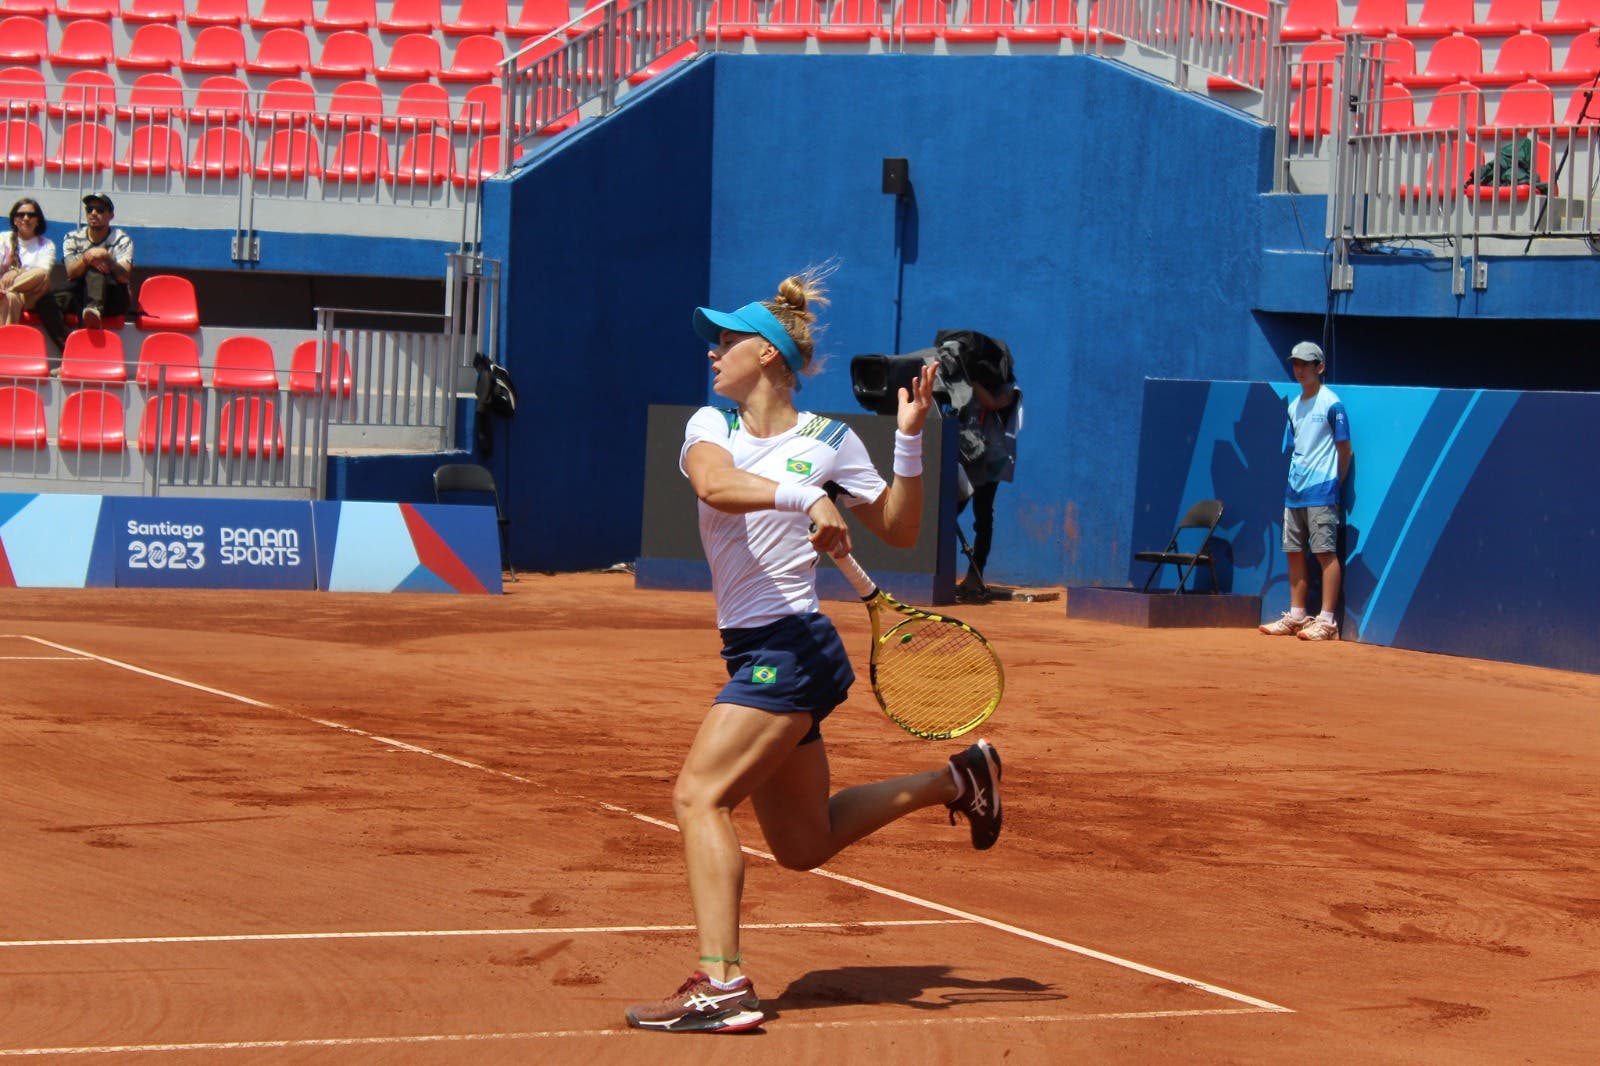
{"points": [[978, 770]]}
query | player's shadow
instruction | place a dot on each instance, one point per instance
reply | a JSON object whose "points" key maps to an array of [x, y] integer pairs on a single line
{"points": [[918, 987]]}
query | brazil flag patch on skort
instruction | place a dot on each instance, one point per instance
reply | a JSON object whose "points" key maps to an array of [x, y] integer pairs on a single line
{"points": [[764, 675]]}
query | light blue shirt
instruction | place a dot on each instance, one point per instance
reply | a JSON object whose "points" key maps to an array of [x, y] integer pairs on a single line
{"points": [[1315, 429]]}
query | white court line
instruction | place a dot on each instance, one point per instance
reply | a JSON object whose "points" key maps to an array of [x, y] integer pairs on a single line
{"points": [[567, 1034], [1038, 938], [44, 659], [380, 934]]}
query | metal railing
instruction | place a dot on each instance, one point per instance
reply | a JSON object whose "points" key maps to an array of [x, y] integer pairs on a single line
{"points": [[1458, 177], [404, 367], [152, 435], [1205, 37], [233, 148], [581, 68]]}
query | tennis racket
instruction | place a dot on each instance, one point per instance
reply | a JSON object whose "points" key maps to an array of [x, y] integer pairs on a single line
{"points": [[935, 677]]}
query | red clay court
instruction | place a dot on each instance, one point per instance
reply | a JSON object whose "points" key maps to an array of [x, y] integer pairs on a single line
{"points": [[323, 828]]}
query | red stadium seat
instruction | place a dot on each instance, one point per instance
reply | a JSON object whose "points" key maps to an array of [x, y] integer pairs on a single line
{"points": [[477, 59], [155, 46], [1307, 20], [286, 102], [1439, 18], [100, 10], [1572, 16], [22, 92], [1378, 18], [248, 426], [1582, 110], [22, 352], [85, 147], [412, 16], [21, 417], [283, 51], [36, 8], [857, 20], [217, 50], [1523, 57], [168, 360], [1581, 63], [1447, 110], [222, 100], [218, 13], [1454, 59], [84, 43], [335, 371], [478, 16], [1529, 106], [92, 420], [539, 17], [153, 11], [244, 362], [925, 20], [167, 302], [274, 14], [221, 152], [347, 15], [666, 61], [93, 355], [1519, 191], [153, 98], [23, 40], [1449, 170], [172, 422], [361, 157], [155, 149], [354, 105], [1507, 17], [422, 106], [21, 146], [480, 110], [345, 54], [87, 94], [426, 159], [732, 20], [290, 155], [789, 20], [414, 57], [1399, 110], [987, 20], [483, 161]]}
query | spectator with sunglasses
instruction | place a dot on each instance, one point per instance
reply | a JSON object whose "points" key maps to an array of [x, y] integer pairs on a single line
{"points": [[26, 256], [99, 264]]}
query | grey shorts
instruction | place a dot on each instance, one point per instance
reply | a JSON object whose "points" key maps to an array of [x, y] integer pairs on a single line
{"points": [[1319, 525]]}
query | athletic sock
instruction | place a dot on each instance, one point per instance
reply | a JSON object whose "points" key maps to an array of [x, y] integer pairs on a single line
{"points": [[1297, 613], [723, 986], [961, 784], [1326, 616]]}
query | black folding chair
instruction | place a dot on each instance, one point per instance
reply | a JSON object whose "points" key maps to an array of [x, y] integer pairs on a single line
{"points": [[462, 479], [1203, 515]]}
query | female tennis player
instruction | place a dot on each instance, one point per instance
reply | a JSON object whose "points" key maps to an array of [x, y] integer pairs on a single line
{"points": [[764, 517]]}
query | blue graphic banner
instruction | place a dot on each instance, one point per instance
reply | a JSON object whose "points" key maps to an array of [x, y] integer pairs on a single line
{"points": [[173, 542]]}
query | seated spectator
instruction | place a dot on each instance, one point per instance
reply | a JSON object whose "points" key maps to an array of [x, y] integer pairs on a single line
{"points": [[26, 256], [99, 264]]}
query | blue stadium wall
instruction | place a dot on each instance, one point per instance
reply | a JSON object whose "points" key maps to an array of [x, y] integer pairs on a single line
{"points": [[1108, 228], [1466, 530]]}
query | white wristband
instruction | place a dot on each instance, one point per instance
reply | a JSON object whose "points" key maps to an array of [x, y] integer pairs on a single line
{"points": [[907, 454], [796, 498]]}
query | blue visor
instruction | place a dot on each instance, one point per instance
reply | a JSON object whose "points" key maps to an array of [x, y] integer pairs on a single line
{"points": [[751, 318]]}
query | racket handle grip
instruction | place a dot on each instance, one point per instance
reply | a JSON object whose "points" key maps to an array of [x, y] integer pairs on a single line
{"points": [[865, 586]]}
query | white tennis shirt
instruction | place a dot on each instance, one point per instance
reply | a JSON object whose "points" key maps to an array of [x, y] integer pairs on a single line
{"points": [[763, 567]]}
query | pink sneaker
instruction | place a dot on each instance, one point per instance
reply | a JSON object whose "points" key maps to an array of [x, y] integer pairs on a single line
{"points": [[1285, 626]]}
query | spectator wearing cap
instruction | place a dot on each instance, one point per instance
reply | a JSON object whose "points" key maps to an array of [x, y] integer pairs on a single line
{"points": [[1319, 433], [99, 262]]}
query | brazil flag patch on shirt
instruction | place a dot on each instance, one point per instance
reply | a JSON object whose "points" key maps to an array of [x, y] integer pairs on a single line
{"points": [[764, 675], [798, 466]]}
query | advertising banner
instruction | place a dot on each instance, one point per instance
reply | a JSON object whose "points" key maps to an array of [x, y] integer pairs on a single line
{"points": [[200, 543]]}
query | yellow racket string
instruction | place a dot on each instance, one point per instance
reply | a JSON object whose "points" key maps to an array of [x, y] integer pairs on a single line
{"points": [[936, 678]]}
